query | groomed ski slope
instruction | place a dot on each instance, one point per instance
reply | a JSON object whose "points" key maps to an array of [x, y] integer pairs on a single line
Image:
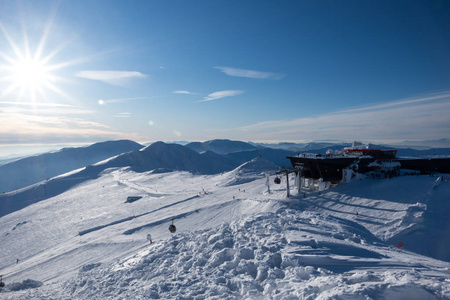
{"points": [[234, 240]]}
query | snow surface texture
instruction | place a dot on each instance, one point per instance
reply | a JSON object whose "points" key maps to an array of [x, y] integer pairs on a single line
{"points": [[234, 240], [269, 256]]}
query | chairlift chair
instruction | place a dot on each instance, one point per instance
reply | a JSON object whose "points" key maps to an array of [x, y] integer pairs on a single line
{"points": [[277, 180], [172, 228]]}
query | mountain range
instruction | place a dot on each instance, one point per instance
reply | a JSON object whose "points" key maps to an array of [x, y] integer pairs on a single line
{"points": [[33, 169], [209, 157]]}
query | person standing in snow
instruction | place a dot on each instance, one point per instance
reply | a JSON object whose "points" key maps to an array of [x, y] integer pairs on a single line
{"points": [[149, 238]]}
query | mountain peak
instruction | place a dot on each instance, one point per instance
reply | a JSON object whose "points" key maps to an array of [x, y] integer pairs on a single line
{"points": [[221, 146], [33, 169]]}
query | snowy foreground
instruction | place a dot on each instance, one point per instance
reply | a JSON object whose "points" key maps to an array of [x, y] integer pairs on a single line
{"points": [[234, 240]]}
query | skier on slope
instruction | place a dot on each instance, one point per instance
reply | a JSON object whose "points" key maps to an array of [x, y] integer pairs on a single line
{"points": [[149, 238]]}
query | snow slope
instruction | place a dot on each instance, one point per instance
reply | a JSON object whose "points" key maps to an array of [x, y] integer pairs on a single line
{"points": [[233, 241], [277, 156], [412, 209], [158, 156], [30, 170], [251, 170]]}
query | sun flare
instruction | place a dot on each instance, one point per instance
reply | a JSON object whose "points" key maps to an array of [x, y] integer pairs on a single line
{"points": [[28, 75]]}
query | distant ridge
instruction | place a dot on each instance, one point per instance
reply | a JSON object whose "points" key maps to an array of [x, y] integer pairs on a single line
{"points": [[423, 153], [33, 169], [441, 143], [302, 147], [174, 157], [220, 146]]}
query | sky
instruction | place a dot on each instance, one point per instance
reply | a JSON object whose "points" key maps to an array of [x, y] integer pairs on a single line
{"points": [[264, 71]]}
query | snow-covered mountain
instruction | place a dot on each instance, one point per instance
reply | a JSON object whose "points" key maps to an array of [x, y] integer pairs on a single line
{"points": [[172, 157], [251, 170], [159, 157], [30, 170], [276, 156], [303, 147], [220, 146], [78, 236]]}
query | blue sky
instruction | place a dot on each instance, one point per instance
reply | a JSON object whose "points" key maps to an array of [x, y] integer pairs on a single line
{"points": [[245, 70]]}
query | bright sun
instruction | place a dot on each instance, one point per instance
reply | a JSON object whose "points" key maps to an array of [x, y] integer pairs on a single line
{"points": [[27, 75]]}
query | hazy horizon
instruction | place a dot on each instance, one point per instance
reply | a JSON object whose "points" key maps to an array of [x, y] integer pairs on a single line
{"points": [[12, 151]]}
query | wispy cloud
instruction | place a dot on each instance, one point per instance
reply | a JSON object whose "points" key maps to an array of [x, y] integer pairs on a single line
{"points": [[184, 92], [417, 118], [119, 100], [20, 127], [111, 77], [45, 110], [221, 94], [408, 101], [45, 104], [250, 73], [123, 115]]}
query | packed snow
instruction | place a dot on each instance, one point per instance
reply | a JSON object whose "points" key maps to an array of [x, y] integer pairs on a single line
{"points": [[234, 238]]}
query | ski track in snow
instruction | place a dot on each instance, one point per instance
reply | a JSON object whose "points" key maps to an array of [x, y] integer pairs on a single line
{"points": [[233, 241], [83, 232]]}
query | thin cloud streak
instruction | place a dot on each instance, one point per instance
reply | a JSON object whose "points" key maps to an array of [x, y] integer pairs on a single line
{"points": [[428, 98], [45, 111], [123, 115], [120, 100], [36, 104], [421, 118], [249, 73], [19, 127], [110, 77], [184, 92], [220, 95]]}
